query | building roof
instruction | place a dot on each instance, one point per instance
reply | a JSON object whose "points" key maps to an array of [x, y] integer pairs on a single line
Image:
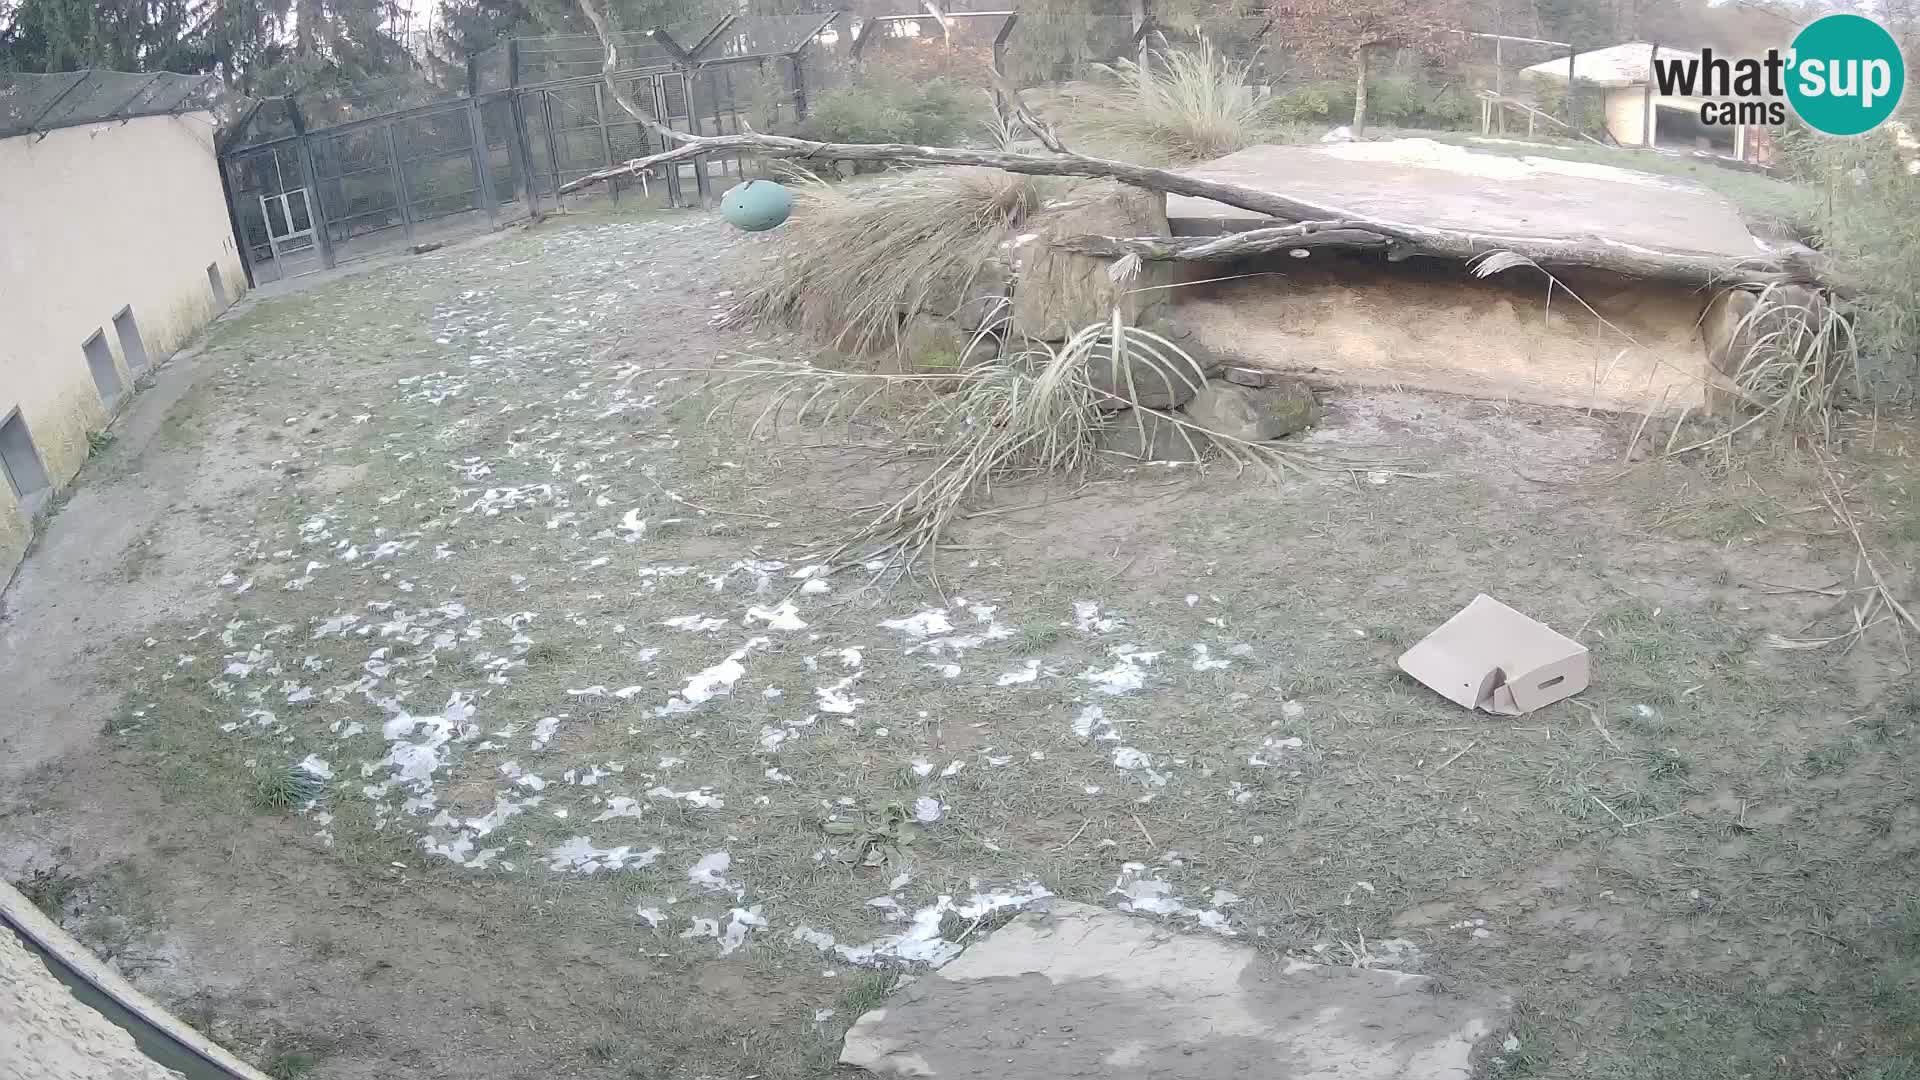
{"points": [[42, 103], [1626, 64]]}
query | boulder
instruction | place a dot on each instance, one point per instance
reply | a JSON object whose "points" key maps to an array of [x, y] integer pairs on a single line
{"points": [[1254, 414], [980, 349], [1058, 292], [1162, 324], [930, 344], [1135, 380], [970, 296], [1079, 991], [1147, 436]]}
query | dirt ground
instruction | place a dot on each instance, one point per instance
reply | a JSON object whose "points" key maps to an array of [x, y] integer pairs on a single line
{"points": [[423, 684]]}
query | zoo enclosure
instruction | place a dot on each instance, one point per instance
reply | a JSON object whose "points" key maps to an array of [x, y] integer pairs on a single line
{"points": [[535, 116]]}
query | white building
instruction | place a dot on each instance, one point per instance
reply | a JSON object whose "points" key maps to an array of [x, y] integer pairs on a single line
{"points": [[1638, 114], [115, 248]]}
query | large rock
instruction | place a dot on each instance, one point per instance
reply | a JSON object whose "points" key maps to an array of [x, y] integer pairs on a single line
{"points": [[1081, 991], [1163, 323], [1057, 292], [1254, 414], [1136, 380], [970, 296], [1146, 436], [930, 344]]}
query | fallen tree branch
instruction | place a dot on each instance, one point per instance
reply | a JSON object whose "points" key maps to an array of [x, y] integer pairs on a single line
{"points": [[1593, 253], [1320, 225]]}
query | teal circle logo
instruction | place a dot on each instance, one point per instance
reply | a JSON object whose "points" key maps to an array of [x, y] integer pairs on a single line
{"points": [[1846, 74]]}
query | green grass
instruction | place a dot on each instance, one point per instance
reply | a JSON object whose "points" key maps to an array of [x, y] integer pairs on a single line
{"points": [[279, 790], [49, 891], [290, 1064], [866, 994]]}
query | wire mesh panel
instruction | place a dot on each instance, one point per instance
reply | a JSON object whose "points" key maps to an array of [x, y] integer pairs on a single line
{"points": [[48, 102], [273, 203], [437, 165], [358, 195], [502, 158]]}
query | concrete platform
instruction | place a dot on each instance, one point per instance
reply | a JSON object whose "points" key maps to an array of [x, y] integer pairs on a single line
{"points": [[1082, 991], [1419, 181]]}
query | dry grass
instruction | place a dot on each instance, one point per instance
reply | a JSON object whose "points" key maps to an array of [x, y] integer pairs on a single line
{"points": [[1799, 356], [1037, 412], [1182, 106], [856, 260]]}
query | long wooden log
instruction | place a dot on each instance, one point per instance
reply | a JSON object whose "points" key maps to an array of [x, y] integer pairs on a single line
{"points": [[1554, 253], [1319, 225]]}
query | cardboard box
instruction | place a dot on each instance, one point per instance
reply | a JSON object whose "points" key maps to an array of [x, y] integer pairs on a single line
{"points": [[1493, 658]]}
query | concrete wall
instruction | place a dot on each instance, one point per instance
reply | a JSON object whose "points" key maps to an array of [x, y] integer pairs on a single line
{"points": [[1627, 115], [94, 219]]}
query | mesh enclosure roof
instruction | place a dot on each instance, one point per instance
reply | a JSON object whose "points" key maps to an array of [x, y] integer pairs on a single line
{"points": [[31, 103], [555, 57], [563, 56], [762, 35]]}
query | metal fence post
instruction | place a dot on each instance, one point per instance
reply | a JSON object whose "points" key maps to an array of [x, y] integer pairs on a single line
{"points": [[399, 183], [675, 197], [701, 182], [519, 152], [1000, 57], [1573, 89], [606, 142], [553, 147], [482, 175], [316, 208]]}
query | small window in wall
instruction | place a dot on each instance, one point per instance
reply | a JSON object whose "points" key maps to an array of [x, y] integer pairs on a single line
{"points": [[21, 462], [219, 286], [131, 346], [106, 376]]}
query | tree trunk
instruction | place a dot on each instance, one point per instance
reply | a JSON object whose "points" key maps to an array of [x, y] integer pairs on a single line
{"points": [[1360, 90]]}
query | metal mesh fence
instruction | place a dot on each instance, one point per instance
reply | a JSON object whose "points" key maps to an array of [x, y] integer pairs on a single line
{"points": [[39, 103]]}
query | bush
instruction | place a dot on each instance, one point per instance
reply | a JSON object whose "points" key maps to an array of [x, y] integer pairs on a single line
{"points": [[1186, 106], [885, 109], [1392, 100], [1551, 98], [1869, 228]]}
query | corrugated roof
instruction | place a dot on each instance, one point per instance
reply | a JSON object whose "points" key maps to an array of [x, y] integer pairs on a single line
{"points": [[1626, 64]]}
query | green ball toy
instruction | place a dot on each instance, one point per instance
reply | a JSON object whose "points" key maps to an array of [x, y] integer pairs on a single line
{"points": [[756, 205]]}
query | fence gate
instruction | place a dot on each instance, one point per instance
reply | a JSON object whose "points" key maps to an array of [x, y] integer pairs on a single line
{"points": [[289, 223], [273, 202]]}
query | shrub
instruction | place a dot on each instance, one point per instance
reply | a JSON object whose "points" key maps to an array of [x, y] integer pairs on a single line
{"points": [[1392, 100], [1187, 106], [887, 109], [1869, 228]]}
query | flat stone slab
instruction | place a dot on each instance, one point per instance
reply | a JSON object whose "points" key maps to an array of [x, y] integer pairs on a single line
{"points": [[1080, 991], [1420, 181]]}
